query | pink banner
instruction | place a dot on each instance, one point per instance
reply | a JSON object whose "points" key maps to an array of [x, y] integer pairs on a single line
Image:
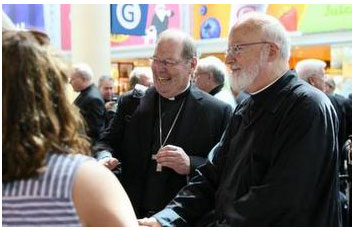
{"points": [[160, 17]]}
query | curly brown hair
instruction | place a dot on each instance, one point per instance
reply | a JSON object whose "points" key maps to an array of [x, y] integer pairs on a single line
{"points": [[37, 117]]}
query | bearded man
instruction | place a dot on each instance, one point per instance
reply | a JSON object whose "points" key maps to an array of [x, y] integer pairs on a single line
{"points": [[276, 164]]}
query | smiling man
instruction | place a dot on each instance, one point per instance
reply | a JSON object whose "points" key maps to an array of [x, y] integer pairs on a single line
{"points": [[276, 165], [160, 137]]}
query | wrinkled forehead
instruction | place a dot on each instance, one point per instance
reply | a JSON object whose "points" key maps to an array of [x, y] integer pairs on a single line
{"points": [[245, 32]]}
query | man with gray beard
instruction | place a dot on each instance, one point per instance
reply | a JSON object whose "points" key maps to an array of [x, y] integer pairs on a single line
{"points": [[276, 164]]}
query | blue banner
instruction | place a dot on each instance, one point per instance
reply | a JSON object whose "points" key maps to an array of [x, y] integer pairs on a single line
{"points": [[129, 19]]}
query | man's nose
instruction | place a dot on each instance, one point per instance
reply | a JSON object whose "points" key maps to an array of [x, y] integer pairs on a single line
{"points": [[229, 59]]}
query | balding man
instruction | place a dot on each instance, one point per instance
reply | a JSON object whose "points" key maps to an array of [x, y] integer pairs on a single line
{"points": [[312, 71], [276, 164], [142, 76], [89, 101], [162, 136], [210, 76]]}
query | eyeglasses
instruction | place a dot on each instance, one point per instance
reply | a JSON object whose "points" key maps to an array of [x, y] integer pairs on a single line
{"points": [[164, 62], [235, 49]]}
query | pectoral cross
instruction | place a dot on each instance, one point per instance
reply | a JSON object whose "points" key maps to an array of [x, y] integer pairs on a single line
{"points": [[159, 167]]}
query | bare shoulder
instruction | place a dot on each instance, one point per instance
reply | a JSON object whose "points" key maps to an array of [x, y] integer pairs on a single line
{"points": [[100, 199]]}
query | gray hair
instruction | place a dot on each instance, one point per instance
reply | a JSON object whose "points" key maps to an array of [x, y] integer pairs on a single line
{"points": [[104, 78], [310, 67], [272, 30], [213, 65], [137, 73], [83, 70], [188, 44], [330, 81]]}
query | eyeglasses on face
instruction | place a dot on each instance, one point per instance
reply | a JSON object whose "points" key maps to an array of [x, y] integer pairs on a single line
{"points": [[164, 62], [236, 48]]}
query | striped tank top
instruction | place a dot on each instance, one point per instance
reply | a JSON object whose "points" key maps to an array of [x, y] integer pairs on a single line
{"points": [[45, 200]]}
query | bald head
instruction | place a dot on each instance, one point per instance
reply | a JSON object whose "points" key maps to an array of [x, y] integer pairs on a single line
{"points": [[268, 28], [312, 71]]}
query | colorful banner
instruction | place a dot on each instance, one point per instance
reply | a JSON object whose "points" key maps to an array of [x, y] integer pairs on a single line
{"points": [[65, 26], [239, 10], [128, 19], [158, 18], [210, 21], [326, 18], [290, 15], [28, 16]]}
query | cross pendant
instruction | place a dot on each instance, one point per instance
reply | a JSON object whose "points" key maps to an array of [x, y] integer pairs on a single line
{"points": [[159, 167]]}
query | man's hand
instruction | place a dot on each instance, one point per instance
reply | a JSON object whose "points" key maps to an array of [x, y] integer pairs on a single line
{"points": [[109, 105], [175, 158], [109, 162], [149, 222]]}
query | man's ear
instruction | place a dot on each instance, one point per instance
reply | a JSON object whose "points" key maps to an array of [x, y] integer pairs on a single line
{"points": [[311, 81], [193, 64], [274, 52]]}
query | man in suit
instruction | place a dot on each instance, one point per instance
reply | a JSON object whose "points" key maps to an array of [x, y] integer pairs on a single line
{"points": [[106, 90], [89, 101], [210, 76], [142, 76], [313, 72], [161, 136]]}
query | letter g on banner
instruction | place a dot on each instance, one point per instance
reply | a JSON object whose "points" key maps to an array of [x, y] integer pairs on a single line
{"points": [[128, 15], [128, 18]]}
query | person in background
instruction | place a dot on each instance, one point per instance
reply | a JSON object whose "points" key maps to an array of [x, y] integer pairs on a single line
{"points": [[161, 137], [313, 72], [106, 90], [89, 101], [142, 76], [330, 86], [276, 164], [48, 179], [210, 76]]}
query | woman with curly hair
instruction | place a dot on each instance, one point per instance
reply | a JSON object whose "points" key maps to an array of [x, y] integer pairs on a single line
{"points": [[48, 177]]}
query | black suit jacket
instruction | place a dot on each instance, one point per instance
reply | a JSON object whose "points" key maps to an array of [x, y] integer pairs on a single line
{"points": [[339, 103], [129, 137], [92, 107]]}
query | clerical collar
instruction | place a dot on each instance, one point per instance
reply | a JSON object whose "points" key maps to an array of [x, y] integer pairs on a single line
{"points": [[254, 93], [181, 95], [216, 90]]}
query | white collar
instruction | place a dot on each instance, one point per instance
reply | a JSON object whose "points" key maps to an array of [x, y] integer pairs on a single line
{"points": [[260, 90], [173, 98]]}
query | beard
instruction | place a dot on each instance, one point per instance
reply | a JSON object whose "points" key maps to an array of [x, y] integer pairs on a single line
{"points": [[243, 79]]}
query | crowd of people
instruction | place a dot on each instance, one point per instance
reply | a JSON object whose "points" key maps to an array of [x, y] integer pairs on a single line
{"points": [[180, 148]]}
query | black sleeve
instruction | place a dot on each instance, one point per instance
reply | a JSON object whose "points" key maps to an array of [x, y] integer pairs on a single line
{"points": [[94, 116], [196, 199], [196, 161], [112, 136]]}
